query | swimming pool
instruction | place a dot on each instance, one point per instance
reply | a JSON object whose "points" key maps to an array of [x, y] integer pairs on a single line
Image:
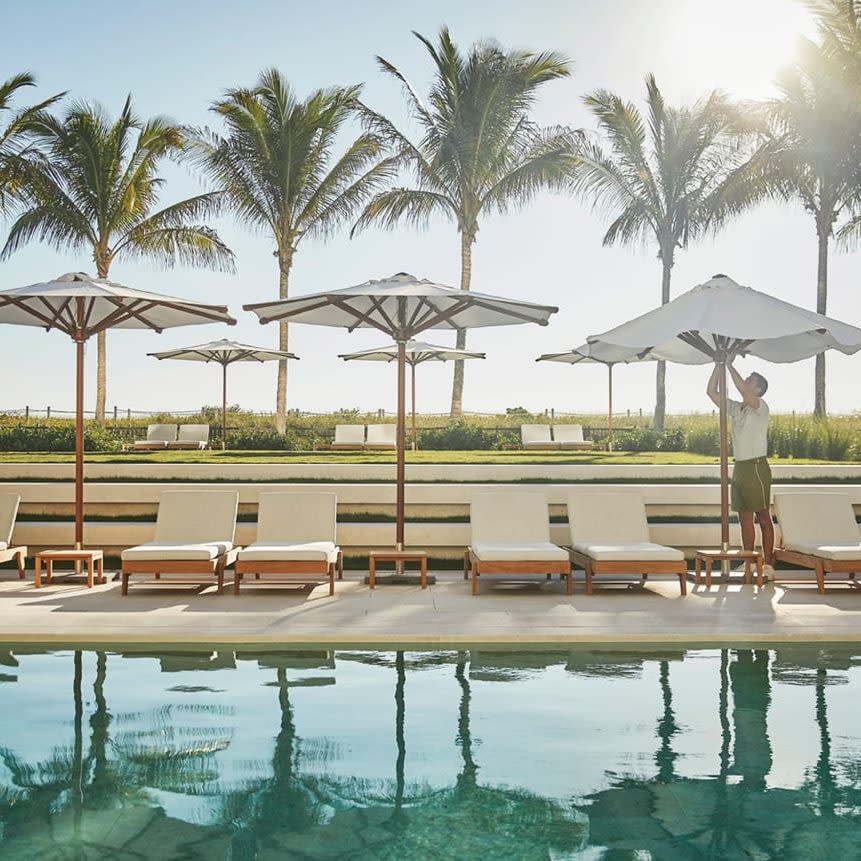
{"points": [[571, 754]]}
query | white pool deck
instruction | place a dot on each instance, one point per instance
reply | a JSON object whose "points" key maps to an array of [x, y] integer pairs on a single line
{"points": [[536, 613]]}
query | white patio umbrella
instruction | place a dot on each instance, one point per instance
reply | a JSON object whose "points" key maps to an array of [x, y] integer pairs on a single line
{"points": [[223, 352], [417, 353], [82, 306], [602, 354], [721, 319], [402, 307]]}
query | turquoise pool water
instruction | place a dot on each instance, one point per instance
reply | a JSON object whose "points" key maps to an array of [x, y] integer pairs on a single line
{"points": [[477, 754]]}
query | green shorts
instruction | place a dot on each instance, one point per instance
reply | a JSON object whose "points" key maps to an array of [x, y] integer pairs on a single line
{"points": [[750, 489]]}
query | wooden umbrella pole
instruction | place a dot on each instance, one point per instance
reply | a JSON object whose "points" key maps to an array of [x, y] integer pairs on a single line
{"points": [[413, 404], [724, 462], [79, 441], [401, 429], [224, 406], [610, 406]]}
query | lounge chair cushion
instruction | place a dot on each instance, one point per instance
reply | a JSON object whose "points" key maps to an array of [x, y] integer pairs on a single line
{"points": [[537, 435], [311, 551], [161, 433], [639, 551], [296, 518], [350, 435], [382, 435], [170, 552], [607, 518], [521, 552], [842, 552], [569, 434], [150, 443], [196, 517], [519, 518], [816, 519], [9, 503], [198, 434]]}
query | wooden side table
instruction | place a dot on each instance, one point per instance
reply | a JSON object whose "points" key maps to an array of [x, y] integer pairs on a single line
{"points": [[735, 555], [94, 560], [397, 556]]}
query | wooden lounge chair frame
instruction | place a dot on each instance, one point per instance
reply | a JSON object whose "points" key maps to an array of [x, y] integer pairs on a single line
{"points": [[820, 565], [608, 566], [293, 572], [473, 566], [19, 554], [200, 571]]}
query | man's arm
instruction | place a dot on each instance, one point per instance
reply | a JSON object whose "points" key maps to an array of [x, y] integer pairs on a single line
{"points": [[749, 400], [712, 390]]}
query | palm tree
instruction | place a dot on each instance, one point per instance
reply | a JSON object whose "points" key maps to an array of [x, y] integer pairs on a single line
{"points": [[665, 178], [277, 171], [812, 149], [15, 132], [97, 188], [479, 150]]}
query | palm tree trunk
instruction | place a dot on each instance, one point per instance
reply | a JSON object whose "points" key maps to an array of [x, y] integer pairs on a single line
{"points": [[101, 358], [661, 381], [281, 388], [466, 240], [821, 303]]}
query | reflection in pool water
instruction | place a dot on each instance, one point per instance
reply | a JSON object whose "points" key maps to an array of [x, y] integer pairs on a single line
{"points": [[581, 754]]}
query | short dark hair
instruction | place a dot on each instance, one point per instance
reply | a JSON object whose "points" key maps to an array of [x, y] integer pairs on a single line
{"points": [[761, 382]]}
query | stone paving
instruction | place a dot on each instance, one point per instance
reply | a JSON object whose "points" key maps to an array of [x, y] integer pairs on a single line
{"points": [[533, 612]]}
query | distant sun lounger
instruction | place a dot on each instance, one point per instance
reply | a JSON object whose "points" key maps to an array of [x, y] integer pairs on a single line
{"points": [[191, 437], [349, 437], [157, 437], [382, 437], [537, 437], [571, 437]]}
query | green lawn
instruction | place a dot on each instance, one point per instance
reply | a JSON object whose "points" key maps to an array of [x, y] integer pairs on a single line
{"points": [[431, 457]]}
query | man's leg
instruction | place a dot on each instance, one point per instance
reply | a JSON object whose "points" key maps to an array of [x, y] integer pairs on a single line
{"points": [[766, 527], [745, 520]]}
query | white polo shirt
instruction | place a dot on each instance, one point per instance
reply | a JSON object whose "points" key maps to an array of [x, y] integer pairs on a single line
{"points": [[749, 430]]}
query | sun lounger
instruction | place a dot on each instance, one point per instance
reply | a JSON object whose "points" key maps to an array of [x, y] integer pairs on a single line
{"points": [[537, 437], [193, 537], [610, 535], [296, 534], [157, 436], [382, 437], [510, 535], [8, 512], [571, 437], [349, 437], [819, 531], [191, 437]]}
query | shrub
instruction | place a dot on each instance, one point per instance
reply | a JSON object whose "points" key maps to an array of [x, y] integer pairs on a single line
{"points": [[704, 440], [458, 436], [55, 437]]}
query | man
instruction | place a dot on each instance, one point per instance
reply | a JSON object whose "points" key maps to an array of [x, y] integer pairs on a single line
{"points": [[751, 474]]}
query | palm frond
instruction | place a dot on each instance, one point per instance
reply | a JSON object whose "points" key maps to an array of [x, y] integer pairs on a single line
{"points": [[414, 206]]}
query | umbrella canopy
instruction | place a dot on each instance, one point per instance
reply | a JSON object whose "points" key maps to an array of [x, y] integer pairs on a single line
{"points": [[721, 319], [601, 354], [81, 306], [223, 352], [417, 353], [403, 307]]}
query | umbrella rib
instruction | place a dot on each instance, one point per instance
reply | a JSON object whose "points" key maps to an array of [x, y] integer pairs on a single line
{"points": [[520, 316], [88, 314], [430, 321], [288, 313], [695, 340], [125, 312], [50, 322]]}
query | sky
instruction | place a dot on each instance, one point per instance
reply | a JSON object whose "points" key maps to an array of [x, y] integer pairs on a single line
{"points": [[176, 58]]}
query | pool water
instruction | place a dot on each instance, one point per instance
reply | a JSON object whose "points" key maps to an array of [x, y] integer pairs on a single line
{"points": [[474, 754]]}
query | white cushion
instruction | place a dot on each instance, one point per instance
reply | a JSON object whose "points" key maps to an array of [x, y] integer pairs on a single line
{"points": [[509, 518], [161, 433], [382, 435], [154, 550], [151, 443], [640, 551], [296, 518], [847, 552], [9, 503], [193, 433], [196, 517], [607, 518], [537, 552], [312, 551], [4, 545], [568, 434], [816, 519], [349, 434], [535, 435]]}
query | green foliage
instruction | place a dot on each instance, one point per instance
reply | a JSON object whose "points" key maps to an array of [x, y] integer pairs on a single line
{"points": [[458, 436], [56, 437]]}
